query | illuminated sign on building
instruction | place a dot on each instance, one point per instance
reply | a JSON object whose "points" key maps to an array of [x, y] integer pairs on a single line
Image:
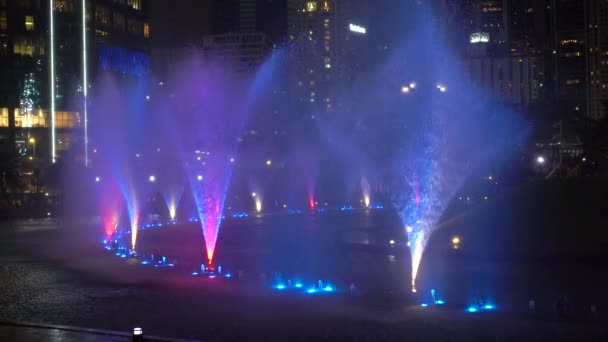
{"points": [[480, 37], [357, 28]]}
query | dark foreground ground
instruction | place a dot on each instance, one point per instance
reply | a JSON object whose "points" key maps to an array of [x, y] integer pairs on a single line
{"points": [[57, 274]]}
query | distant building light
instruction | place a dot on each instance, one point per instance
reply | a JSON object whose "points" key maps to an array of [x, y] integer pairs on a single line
{"points": [[479, 37], [357, 29]]}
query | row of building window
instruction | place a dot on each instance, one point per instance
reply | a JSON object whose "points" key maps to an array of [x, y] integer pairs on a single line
{"points": [[29, 22], [26, 46], [39, 118]]}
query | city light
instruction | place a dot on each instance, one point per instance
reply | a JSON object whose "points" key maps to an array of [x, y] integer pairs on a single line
{"points": [[405, 89], [199, 178], [97, 179], [268, 162], [479, 37], [152, 179], [172, 212], [413, 85], [456, 242], [85, 83], [366, 201], [52, 71], [540, 160], [357, 28], [258, 204]]}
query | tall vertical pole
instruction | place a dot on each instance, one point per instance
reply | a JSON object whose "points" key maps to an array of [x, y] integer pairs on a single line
{"points": [[52, 69], [85, 83]]}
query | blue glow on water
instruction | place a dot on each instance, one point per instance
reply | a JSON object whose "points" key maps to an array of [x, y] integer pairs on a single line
{"points": [[194, 273], [472, 309], [240, 215], [489, 307], [280, 287], [328, 288], [424, 305], [376, 206], [228, 275], [439, 302], [347, 208], [298, 285], [145, 262], [311, 290], [212, 276], [164, 259], [294, 211]]}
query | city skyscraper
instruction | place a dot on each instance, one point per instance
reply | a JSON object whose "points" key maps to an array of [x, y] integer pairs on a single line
{"points": [[581, 61], [50, 53]]}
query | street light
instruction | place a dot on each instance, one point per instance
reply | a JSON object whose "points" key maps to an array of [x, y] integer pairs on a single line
{"points": [[540, 160], [33, 142]]}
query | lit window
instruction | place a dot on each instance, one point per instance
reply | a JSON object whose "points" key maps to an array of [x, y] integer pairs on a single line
{"points": [[28, 47], [119, 21], [3, 20], [64, 6], [30, 118], [146, 30], [135, 4], [3, 117], [102, 15], [29, 22], [311, 6], [326, 6]]}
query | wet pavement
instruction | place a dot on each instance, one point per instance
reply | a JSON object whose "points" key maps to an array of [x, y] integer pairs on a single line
{"points": [[24, 332], [56, 273]]}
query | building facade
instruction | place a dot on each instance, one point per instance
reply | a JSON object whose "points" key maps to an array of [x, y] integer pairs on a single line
{"points": [[51, 52]]}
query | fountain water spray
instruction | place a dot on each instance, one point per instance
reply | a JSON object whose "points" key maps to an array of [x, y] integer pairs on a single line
{"points": [[172, 198]]}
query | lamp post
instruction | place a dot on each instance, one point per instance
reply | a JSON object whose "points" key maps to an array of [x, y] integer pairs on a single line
{"points": [[33, 142]]}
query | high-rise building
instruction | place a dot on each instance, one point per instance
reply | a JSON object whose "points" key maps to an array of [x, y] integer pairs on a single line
{"points": [[50, 53], [241, 52], [511, 50], [329, 41], [581, 56], [264, 16]]}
